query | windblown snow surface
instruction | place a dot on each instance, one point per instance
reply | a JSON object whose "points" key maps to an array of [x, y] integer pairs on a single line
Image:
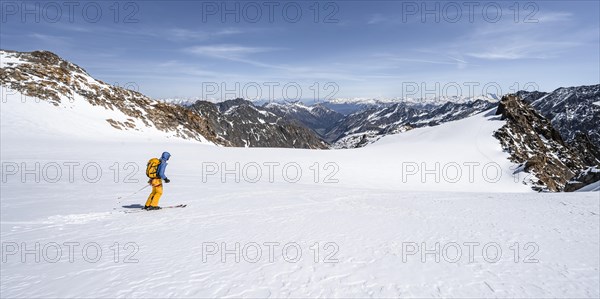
{"points": [[358, 228]]}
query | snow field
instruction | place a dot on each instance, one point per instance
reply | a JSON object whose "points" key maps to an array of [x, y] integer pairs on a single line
{"points": [[361, 231]]}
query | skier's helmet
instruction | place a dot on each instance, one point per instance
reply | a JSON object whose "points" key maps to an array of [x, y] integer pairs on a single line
{"points": [[165, 156]]}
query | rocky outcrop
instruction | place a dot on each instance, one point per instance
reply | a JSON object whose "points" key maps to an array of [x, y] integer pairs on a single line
{"points": [[244, 124], [587, 177], [534, 143], [46, 76], [585, 148]]}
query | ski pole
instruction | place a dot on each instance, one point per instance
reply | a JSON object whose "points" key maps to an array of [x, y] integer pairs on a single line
{"points": [[121, 198]]}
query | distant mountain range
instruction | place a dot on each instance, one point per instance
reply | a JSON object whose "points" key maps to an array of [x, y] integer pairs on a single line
{"points": [[561, 126], [351, 123], [572, 110]]}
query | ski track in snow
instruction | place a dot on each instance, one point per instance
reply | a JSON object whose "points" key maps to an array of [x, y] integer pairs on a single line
{"points": [[369, 214]]}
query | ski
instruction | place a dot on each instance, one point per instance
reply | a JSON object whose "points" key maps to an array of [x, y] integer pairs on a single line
{"points": [[169, 207], [175, 206], [165, 207]]}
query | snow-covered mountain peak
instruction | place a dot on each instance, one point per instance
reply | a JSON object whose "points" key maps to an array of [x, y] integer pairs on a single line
{"points": [[439, 100], [42, 75]]}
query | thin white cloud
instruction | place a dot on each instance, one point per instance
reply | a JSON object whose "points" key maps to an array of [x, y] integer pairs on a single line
{"points": [[229, 31], [396, 60], [182, 34], [556, 16], [547, 38], [421, 61], [532, 49], [239, 53], [185, 34], [228, 51], [377, 19], [460, 60], [49, 40]]}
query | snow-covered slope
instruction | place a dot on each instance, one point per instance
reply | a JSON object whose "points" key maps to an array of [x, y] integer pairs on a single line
{"points": [[366, 126], [28, 78], [387, 167], [46, 76], [360, 210], [366, 222], [343, 223], [29, 118]]}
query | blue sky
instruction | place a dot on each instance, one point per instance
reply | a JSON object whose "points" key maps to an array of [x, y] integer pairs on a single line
{"points": [[362, 48]]}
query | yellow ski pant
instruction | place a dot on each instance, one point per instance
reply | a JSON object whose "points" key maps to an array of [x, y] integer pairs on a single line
{"points": [[157, 191]]}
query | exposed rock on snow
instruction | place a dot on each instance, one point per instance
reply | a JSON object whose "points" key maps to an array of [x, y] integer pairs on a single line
{"points": [[46, 76], [532, 141], [585, 178], [244, 124]]}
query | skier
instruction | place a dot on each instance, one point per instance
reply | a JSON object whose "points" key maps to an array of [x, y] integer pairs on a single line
{"points": [[155, 170]]}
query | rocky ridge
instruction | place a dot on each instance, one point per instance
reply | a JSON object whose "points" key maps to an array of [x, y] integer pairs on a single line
{"points": [[537, 146]]}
